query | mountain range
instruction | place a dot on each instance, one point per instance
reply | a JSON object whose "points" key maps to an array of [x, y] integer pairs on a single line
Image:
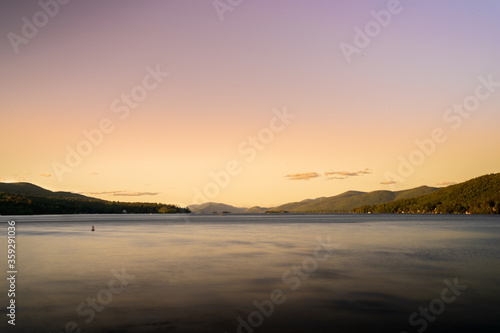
{"points": [[344, 202], [347, 201], [478, 195], [34, 190], [25, 199]]}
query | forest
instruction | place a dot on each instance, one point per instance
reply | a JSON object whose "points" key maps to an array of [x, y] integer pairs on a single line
{"points": [[477, 196], [20, 204]]}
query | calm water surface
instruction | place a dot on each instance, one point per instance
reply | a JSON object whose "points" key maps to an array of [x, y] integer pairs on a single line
{"points": [[203, 273]]}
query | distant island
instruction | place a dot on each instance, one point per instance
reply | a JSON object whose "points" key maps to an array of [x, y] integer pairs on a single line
{"points": [[480, 195], [29, 199]]}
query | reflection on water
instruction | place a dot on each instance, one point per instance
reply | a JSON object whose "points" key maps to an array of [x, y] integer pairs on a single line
{"points": [[231, 273]]}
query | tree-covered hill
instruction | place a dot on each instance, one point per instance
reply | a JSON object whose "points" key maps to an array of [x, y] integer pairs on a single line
{"points": [[477, 196], [41, 201], [31, 189]]}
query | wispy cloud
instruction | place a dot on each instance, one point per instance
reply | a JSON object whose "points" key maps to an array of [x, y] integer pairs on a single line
{"points": [[388, 182], [46, 175], [445, 183], [93, 173], [346, 174], [336, 178], [123, 193], [134, 194], [329, 175], [302, 176]]}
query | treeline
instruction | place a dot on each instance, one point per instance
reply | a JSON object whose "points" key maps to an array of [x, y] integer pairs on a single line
{"points": [[19, 204], [477, 196]]}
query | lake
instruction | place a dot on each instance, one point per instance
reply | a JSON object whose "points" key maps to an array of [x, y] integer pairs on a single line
{"points": [[254, 273]]}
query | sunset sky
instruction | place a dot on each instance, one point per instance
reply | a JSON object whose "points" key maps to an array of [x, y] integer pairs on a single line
{"points": [[261, 102]]}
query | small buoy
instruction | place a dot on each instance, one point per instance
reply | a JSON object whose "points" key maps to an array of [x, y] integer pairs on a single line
{"points": [[93, 228]]}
